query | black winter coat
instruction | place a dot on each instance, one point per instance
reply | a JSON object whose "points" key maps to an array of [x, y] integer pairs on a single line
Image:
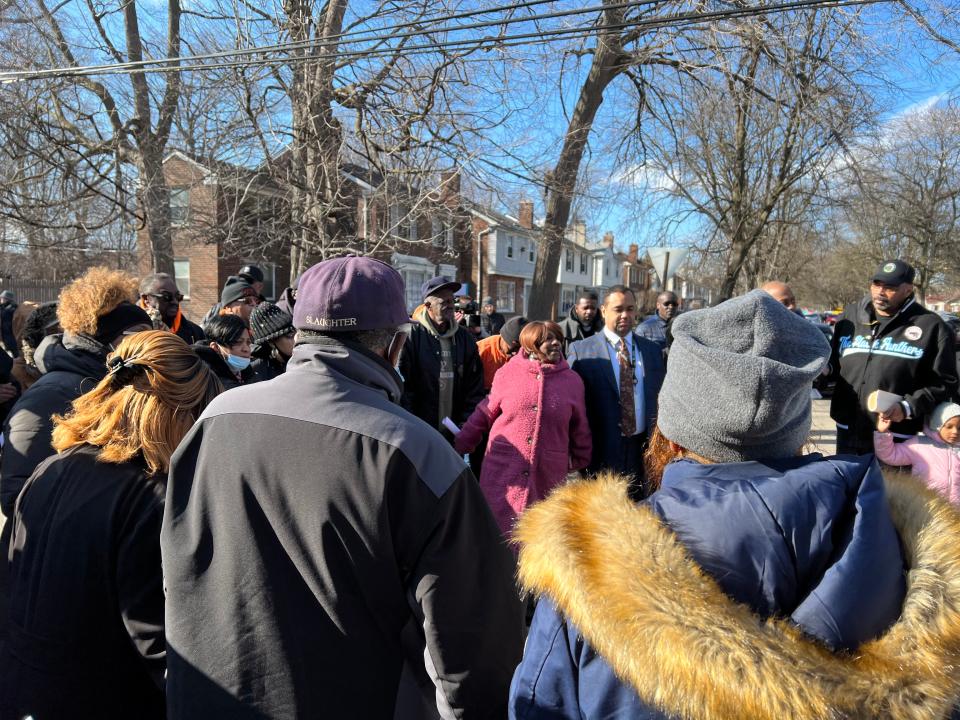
{"points": [[189, 332], [492, 323], [6, 328], [86, 606], [71, 365], [265, 365], [220, 368], [573, 330], [912, 356], [420, 368]]}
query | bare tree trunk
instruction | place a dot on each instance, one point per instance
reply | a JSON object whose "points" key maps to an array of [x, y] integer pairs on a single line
{"points": [[608, 62], [154, 199]]}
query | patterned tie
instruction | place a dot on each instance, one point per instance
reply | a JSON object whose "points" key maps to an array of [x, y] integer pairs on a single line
{"points": [[628, 413]]}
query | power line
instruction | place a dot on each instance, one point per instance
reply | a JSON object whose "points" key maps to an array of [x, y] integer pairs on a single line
{"points": [[498, 42], [371, 35]]}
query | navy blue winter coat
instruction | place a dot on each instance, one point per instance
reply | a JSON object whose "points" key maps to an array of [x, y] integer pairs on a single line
{"points": [[737, 590]]}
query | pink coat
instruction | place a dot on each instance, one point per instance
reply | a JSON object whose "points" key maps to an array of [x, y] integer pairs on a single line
{"points": [[537, 420], [935, 462]]}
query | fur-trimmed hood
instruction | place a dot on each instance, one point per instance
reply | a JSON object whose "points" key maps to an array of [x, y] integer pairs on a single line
{"points": [[617, 573]]}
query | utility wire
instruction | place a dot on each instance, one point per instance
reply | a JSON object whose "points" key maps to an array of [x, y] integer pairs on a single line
{"points": [[498, 42], [358, 36]]}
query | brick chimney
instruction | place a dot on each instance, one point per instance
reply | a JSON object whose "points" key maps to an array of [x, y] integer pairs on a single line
{"points": [[632, 255], [450, 187], [608, 239], [526, 214]]}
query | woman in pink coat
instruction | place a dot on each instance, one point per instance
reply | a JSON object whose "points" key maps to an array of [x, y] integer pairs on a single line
{"points": [[935, 455], [537, 420]]}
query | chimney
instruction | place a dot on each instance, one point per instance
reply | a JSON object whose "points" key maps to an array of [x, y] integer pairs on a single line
{"points": [[450, 187], [608, 239], [579, 231], [526, 214], [633, 252]]}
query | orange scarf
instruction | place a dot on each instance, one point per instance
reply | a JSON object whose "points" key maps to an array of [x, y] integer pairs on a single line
{"points": [[176, 321]]}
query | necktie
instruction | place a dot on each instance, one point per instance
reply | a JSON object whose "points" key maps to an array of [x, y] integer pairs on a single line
{"points": [[628, 414]]}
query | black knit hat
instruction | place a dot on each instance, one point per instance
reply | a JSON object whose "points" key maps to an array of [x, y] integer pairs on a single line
{"points": [[268, 322], [236, 288]]}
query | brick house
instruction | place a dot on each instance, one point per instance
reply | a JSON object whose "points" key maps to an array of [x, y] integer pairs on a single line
{"points": [[205, 199], [637, 275], [218, 207]]}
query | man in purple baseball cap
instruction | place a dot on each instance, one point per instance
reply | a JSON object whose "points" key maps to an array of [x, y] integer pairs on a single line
{"points": [[317, 536], [443, 375]]}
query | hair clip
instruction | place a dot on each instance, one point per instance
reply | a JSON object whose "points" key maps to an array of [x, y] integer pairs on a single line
{"points": [[123, 371]]}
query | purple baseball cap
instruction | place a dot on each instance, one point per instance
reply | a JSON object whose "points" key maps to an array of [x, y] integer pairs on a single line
{"points": [[350, 294]]}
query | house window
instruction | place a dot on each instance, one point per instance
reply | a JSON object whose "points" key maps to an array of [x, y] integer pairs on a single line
{"points": [[181, 275], [448, 237], [400, 225], [583, 263], [510, 246], [412, 280], [506, 296], [526, 297], [179, 206], [437, 232], [569, 263], [567, 299], [532, 250]]}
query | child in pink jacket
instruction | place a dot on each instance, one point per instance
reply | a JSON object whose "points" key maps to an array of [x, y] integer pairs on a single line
{"points": [[537, 420], [935, 455]]}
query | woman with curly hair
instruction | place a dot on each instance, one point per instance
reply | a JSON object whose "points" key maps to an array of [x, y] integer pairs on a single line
{"points": [[85, 625], [95, 311]]}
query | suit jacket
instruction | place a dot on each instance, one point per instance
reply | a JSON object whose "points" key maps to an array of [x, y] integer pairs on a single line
{"points": [[590, 359]]}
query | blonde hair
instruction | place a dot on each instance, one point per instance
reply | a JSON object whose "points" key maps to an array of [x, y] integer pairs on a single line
{"points": [[155, 390], [92, 295]]}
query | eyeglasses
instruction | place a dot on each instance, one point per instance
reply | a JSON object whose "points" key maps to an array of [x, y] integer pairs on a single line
{"points": [[669, 304], [167, 296]]}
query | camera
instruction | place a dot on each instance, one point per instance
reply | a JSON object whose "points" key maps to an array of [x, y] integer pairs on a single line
{"points": [[471, 314]]}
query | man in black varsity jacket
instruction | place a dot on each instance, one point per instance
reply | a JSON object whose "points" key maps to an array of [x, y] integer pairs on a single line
{"points": [[889, 342]]}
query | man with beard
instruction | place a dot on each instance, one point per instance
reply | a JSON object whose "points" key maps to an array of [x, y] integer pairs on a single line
{"points": [[160, 297], [584, 320], [888, 341], [654, 328]]}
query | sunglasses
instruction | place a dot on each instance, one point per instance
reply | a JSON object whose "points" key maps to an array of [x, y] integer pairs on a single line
{"points": [[167, 297]]}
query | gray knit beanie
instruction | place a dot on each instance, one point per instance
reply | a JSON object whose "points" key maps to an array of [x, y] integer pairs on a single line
{"points": [[738, 380]]}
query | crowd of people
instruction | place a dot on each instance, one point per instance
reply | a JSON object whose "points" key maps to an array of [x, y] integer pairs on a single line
{"points": [[328, 507]]}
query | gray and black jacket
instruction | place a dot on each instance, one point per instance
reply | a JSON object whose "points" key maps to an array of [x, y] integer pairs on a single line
{"points": [[310, 520]]}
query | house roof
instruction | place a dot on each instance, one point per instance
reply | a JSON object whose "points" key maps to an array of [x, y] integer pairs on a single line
{"points": [[496, 218], [258, 177]]}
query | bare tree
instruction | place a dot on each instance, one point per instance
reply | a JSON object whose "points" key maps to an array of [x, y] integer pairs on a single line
{"points": [[95, 129], [745, 141], [904, 196]]}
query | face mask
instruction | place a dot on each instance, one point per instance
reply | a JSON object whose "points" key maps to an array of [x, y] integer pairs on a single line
{"points": [[237, 363]]}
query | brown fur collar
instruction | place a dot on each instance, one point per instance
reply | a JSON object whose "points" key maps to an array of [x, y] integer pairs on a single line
{"points": [[625, 581]]}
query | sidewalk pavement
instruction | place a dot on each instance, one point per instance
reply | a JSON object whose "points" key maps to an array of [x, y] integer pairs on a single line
{"points": [[823, 432]]}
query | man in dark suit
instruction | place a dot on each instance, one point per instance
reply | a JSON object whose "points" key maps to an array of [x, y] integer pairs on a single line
{"points": [[622, 374]]}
